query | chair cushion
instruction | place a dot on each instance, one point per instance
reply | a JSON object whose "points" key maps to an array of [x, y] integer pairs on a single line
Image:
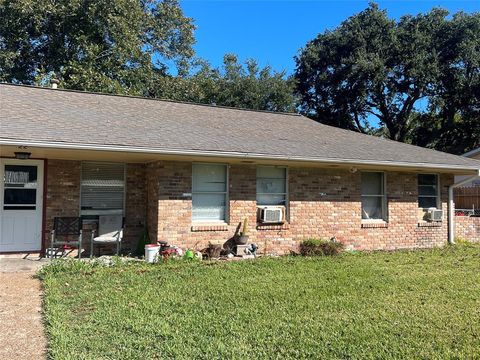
{"points": [[105, 239]]}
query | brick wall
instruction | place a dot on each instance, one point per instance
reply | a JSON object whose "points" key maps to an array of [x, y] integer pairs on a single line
{"points": [[63, 191], [135, 204], [169, 212], [467, 228], [323, 203], [63, 199]]}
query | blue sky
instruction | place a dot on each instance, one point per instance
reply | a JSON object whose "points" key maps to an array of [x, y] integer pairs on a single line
{"points": [[273, 31]]}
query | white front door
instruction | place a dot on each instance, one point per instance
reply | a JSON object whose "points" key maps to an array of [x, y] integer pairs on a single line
{"points": [[21, 199]]}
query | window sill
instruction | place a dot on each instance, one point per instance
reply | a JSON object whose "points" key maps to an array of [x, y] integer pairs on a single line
{"points": [[374, 224], [430, 224], [101, 212], [221, 226], [283, 226]]}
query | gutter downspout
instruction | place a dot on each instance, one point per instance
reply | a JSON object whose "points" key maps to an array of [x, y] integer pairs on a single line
{"points": [[451, 206]]}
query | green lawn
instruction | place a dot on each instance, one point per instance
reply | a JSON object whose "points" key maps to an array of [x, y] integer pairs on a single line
{"points": [[421, 304]]}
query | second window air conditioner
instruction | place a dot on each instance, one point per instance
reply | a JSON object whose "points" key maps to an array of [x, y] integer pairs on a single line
{"points": [[271, 214], [434, 214]]}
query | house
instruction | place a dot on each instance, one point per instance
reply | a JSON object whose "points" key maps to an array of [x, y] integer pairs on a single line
{"points": [[192, 173]]}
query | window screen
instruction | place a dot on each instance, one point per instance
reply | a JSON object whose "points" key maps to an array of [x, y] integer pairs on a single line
{"points": [[428, 191], [271, 186], [373, 195], [102, 188], [209, 192]]}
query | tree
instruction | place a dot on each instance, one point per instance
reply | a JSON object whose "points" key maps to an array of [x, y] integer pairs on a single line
{"points": [[247, 86], [452, 122], [95, 45], [370, 67]]}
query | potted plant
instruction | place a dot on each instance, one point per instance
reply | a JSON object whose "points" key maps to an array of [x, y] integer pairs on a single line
{"points": [[243, 238], [213, 251]]}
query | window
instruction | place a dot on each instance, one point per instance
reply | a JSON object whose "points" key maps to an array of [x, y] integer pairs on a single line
{"points": [[20, 187], [428, 191], [373, 196], [209, 193], [102, 188], [271, 185]]}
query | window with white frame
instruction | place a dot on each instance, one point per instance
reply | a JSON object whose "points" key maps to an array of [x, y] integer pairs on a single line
{"points": [[428, 191], [102, 188], [373, 196], [271, 185], [209, 193]]}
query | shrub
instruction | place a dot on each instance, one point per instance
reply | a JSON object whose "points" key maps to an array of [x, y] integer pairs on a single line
{"points": [[459, 241], [320, 247]]}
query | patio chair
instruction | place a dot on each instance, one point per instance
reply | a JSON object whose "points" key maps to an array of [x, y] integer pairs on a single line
{"points": [[110, 231], [64, 229]]}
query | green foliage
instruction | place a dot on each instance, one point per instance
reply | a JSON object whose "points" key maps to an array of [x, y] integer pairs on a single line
{"points": [[452, 122], [367, 305], [320, 247], [372, 66], [123, 48], [245, 86], [459, 241], [94, 44]]}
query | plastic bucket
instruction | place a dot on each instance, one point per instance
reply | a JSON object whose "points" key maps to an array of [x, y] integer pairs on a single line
{"points": [[151, 252]]}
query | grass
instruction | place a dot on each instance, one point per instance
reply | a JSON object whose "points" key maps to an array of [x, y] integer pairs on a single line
{"points": [[419, 304]]}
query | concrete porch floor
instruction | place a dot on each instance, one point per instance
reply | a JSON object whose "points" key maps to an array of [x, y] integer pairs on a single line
{"points": [[10, 263]]}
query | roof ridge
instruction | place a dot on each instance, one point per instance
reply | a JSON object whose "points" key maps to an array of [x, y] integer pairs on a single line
{"points": [[152, 98]]}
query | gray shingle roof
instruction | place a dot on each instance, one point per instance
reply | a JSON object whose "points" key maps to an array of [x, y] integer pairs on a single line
{"points": [[57, 116]]}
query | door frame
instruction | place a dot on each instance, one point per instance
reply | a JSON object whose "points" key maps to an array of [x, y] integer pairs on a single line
{"points": [[41, 201]]}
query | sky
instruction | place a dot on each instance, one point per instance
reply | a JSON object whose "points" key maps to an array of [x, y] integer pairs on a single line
{"points": [[272, 32]]}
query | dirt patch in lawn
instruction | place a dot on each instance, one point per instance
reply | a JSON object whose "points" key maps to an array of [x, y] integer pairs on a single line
{"points": [[21, 333]]}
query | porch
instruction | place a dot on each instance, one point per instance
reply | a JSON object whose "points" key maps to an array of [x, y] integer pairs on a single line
{"points": [[42, 187]]}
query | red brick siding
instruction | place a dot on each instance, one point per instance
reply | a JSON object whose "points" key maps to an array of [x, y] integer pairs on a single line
{"points": [[323, 203], [169, 211], [63, 191], [467, 228], [152, 185], [135, 204]]}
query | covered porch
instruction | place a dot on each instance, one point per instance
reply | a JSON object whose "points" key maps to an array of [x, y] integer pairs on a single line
{"points": [[49, 183], [53, 182]]}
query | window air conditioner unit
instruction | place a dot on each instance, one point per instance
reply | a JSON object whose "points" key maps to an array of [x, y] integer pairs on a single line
{"points": [[434, 214], [271, 214]]}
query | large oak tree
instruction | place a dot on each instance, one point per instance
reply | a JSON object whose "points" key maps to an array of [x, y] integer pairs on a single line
{"points": [[101, 45], [452, 120], [401, 79]]}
